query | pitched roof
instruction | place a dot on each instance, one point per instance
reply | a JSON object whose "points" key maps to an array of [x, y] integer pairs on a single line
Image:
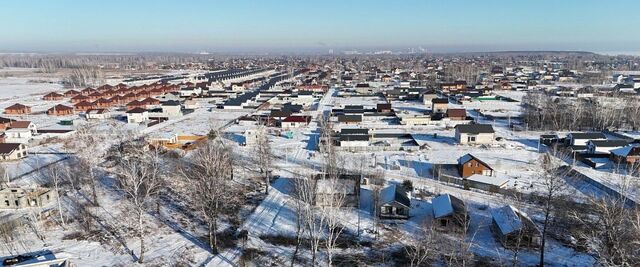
{"points": [[466, 158], [456, 112], [349, 118], [60, 107], [7, 148], [356, 131], [474, 128], [626, 151], [83, 104], [20, 124], [17, 106], [295, 119], [445, 205], [440, 101], [5, 120], [609, 143], [594, 135], [53, 94], [506, 219], [395, 193], [137, 110], [354, 137]]}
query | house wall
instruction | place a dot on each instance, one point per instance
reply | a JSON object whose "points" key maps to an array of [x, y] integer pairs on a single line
{"points": [[437, 107], [19, 198], [137, 117], [482, 138], [354, 143], [393, 211], [474, 167]]}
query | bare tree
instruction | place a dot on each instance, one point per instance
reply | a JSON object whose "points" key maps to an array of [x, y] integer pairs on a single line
{"points": [[422, 246], [209, 170], [553, 172], [139, 177], [264, 156]]}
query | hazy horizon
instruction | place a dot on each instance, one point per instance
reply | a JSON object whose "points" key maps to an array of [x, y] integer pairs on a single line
{"points": [[285, 26]]}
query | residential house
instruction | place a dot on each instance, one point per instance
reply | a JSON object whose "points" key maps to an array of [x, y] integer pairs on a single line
{"points": [[383, 107], [53, 96], [71, 93], [439, 105], [135, 104], [456, 86], [514, 228], [579, 140], [79, 98], [12, 151], [394, 203], [60, 110], [97, 114], [449, 213], [474, 134], [83, 106], [295, 121], [354, 137], [345, 188], [102, 103], [18, 135], [172, 109], [350, 119], [486, 182], [626, 155], [24, 125], [604, 146], [17, 109], [469, 165], [5, 123], [458, 114], [18, 198], [137, 115]]}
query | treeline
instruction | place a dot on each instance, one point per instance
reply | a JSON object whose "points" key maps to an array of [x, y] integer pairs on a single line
{"points": [[82, 77], [545, 112], [50, 63]]}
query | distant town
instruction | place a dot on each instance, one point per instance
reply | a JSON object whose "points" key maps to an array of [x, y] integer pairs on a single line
{"points": [[418, 159]]}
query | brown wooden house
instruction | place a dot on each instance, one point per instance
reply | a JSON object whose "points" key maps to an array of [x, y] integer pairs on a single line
{"points": [[71, 93], [60, 110], [456, 114], [53, 96], [102, 103], [79, 98], [469, 165], [135, 104], [17, 109], [83, 106], [5, 123]]}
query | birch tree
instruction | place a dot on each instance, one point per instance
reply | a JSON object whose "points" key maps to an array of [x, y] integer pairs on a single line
{"points": [[209, 171], [264, 156], [139, 177]]}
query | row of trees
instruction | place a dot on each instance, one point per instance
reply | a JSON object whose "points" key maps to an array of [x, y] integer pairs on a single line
{"points": [[545, 112]]}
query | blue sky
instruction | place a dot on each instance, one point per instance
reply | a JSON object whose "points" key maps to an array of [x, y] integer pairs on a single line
{"points": [[301, 25]]}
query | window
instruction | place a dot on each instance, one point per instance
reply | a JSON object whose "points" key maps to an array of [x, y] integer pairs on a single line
{"points": [[443, 223], [6, 202]]}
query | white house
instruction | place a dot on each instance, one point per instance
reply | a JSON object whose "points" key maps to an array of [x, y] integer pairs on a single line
{"points": [[97, 114], [581, 139], [171, 109], [137, 115], [474, 134], [18, 135]]}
